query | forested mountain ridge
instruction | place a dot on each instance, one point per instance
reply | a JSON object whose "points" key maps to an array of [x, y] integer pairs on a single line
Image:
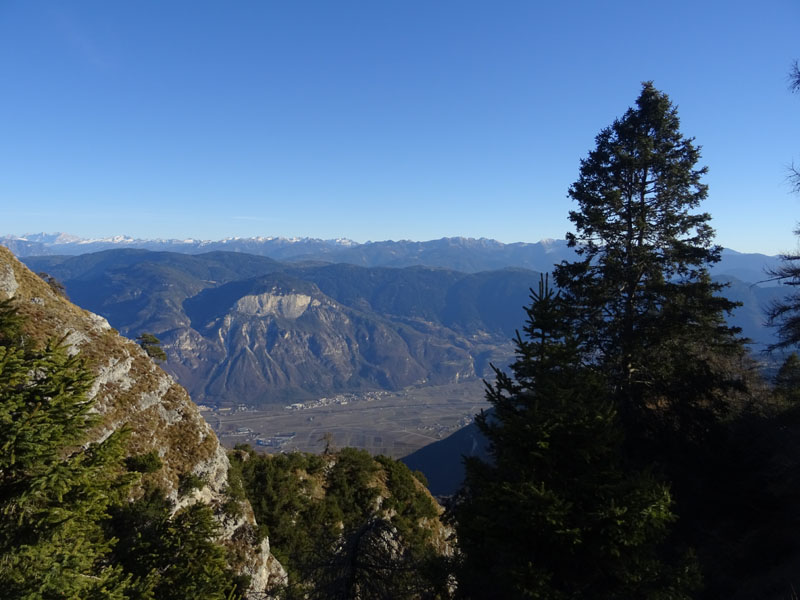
{"points": [[349, 525], [167, 439], [269, 331], [245, 328]]}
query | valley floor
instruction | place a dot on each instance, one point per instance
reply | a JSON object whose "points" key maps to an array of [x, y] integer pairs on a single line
{"points": [[390, 423]]}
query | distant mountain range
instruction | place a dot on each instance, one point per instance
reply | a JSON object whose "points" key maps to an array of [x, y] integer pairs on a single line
{"points": [[467, 255], [244, 328]]}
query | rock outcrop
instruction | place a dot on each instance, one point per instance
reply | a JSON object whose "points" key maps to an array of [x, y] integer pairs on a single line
{"points": [[276, 338], [130, 390]]}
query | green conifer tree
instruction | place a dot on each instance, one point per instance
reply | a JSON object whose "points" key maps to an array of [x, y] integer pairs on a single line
{"points": [[170, 557], [641, 295], [55, 487], [152, 346], [58, 492], [554, 514], [649, 316]]}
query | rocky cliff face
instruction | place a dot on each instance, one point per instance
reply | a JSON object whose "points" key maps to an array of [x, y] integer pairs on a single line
{"points": [[131, 391], [267, 340]]}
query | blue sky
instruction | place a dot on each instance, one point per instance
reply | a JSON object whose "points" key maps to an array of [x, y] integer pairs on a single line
{"points": [[378, 120]]}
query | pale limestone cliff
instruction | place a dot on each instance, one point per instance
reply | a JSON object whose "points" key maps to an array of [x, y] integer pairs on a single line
{"points": [[287, 306]]}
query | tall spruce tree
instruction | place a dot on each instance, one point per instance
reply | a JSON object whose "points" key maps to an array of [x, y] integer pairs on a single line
{"points": [[642, 299], [555, 514]]}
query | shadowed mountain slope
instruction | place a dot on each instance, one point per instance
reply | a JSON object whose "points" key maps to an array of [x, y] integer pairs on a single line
{"points": [[442, 462]]}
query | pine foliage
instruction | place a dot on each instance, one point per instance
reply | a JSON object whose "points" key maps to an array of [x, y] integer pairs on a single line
{"points": [[170, 557], [643, 302], [55, 487], [555, 514], [345, 524], [152, 346], [59, 491]]}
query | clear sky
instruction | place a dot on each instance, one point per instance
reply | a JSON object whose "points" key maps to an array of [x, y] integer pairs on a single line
{"points": [[378, 119]]}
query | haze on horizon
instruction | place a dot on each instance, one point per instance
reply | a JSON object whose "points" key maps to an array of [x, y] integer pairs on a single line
{"points": [[376, 121]]}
